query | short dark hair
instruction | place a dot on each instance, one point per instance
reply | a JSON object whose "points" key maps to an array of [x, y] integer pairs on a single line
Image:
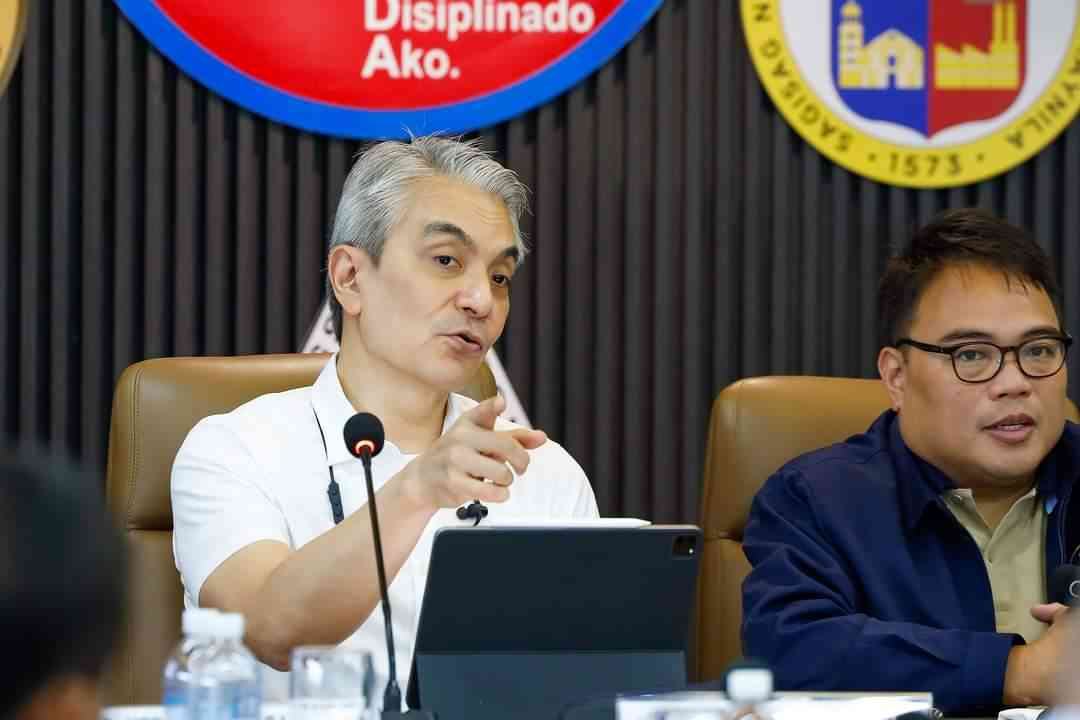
{"points": [[62, 575], [965, 237]]}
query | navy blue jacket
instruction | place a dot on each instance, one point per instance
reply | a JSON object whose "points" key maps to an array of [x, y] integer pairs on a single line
{"points": [[863, 580]]}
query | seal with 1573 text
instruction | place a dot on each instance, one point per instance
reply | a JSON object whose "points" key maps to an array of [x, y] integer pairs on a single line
{"points": [[920, 93]]}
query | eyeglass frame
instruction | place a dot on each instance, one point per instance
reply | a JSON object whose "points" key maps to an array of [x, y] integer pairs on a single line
{"points": [[1065, 339]]}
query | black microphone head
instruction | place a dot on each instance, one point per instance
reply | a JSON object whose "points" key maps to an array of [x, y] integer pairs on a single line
{"points": [[364, 431], [1065, 585]]}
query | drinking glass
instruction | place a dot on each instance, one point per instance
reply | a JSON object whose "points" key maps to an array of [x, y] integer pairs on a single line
{"points": [[330, 682]]}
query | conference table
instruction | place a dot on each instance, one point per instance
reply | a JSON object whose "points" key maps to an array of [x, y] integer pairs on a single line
{"points": [[275, 711], [1013, 714]]}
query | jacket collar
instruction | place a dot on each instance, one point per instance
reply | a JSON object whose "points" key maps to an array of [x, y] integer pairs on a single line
{"points": [[1059, 471], [920, 484]]}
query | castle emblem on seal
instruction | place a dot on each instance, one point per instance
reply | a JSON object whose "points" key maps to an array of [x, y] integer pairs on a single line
{"points": [[920, 93]]}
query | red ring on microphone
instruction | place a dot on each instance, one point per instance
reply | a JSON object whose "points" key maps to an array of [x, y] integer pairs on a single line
{"points": [[364, 444]]}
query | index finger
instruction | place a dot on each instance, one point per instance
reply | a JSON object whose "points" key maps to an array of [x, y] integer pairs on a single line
{"points": [[510, 446], [486, 412]]}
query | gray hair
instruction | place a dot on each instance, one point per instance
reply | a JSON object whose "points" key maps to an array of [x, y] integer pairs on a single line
{"points": [[375, 193]]}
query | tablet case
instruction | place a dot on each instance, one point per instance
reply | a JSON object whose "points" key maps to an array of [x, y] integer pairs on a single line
{"points": [[526, 622]]}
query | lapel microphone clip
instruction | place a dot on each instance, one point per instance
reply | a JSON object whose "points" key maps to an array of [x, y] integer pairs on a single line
{"points": [[476, 510]]}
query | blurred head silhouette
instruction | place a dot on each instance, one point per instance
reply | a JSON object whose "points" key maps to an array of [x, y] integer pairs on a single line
{"points": [[62, 578]]}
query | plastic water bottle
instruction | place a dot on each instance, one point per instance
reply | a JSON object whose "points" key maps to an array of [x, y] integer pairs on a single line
{"points": [[211, 675], [749, 686]]}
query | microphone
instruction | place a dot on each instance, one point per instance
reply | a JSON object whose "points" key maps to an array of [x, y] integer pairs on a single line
{"points": [[1065, 585], [476, 510], [364, 437]]}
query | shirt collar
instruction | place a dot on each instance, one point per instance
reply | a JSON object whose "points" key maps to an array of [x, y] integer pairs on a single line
{"points": [[920, 484], [333, 410], [967, 497]]}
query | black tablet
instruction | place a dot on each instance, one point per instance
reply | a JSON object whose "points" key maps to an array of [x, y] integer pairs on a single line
{"points": [[523, 622]]}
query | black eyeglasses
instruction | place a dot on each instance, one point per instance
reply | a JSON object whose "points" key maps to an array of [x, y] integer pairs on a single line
{"points": [[978, 362]]}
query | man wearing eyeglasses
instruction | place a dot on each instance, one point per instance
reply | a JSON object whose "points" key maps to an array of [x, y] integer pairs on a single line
{"points": [[915, 557]]}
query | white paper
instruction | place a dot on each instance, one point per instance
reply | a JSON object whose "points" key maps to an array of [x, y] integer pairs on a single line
{"points": [[706, 706], [509, 521], [1020, 713]]}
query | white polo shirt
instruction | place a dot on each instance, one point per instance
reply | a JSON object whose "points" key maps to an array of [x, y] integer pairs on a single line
{"points": [[260, 473]]}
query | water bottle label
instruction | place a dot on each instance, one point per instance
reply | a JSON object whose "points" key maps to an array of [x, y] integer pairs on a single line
{"points": [[245, 705], [216, 704], [174, 703]]}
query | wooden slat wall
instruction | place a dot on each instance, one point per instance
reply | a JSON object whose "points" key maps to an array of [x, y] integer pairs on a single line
{"points": [[684, 237]]}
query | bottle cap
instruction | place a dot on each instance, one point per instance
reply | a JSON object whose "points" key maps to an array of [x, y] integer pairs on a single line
{"points": [[748, 685], [229, 626], [199, 621]]}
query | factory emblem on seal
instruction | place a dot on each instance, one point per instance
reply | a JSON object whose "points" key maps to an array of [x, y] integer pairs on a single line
{"points": [[920, 93]]}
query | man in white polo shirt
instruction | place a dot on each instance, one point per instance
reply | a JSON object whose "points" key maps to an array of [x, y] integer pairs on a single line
{"points": [[425, 243]]}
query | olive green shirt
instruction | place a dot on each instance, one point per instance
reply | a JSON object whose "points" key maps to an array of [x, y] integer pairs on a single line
{"points": [[1015, 556]]}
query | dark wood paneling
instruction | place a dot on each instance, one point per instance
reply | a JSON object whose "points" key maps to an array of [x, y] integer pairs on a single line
{"points": [[638, 273], [684, 236], [248, 260], [280, 237], [697, 121], [188, 302], [10, 200], [128, 183], [219, 199], [65, 251], [549, 259], [579, 266], [308, 233], [666, 243], [96, 226], [35, 307], [609, 250], [519, 338], [159, 188]]}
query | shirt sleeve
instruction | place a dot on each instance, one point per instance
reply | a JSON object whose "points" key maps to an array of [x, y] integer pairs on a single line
{"points": [[562, 480], [576, 499], [801, 616], [219, 507], [585, 502]]}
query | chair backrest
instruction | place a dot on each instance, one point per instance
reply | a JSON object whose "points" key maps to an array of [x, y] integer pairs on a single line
{"points": [[758, 425], [155, 404]]}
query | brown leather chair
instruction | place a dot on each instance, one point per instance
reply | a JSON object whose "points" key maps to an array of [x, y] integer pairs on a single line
{"points": [[155, 405], [757, 425]]}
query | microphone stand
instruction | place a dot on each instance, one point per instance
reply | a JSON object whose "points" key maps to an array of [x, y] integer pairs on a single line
{"points": [[391, 709]]}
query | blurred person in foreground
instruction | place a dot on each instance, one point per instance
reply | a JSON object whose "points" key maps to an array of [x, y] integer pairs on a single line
{"points": [[1066, 696], [62, 575], [425, 245], [917, 555]]}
